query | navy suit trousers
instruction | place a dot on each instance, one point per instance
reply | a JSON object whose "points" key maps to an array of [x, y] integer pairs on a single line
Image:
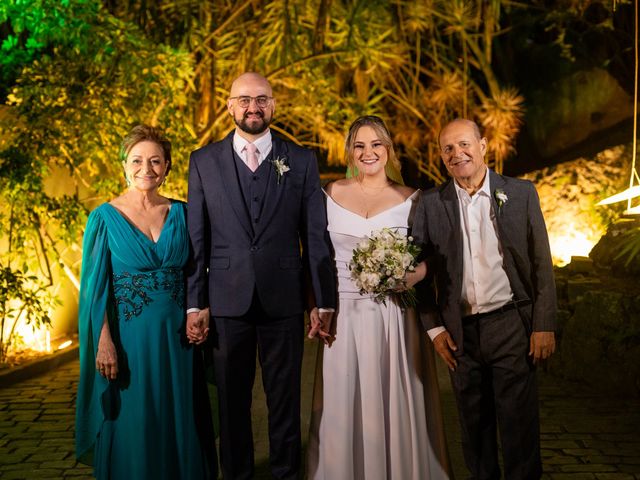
{"points": [[279, 345]]}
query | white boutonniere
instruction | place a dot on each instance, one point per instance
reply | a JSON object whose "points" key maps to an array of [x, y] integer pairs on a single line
{"points": [[501, 198], [280, 164]]}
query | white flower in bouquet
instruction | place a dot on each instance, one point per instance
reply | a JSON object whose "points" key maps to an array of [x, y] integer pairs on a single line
{"points": [[379, 265], [377, 256], [407, 260], [369, 280]]}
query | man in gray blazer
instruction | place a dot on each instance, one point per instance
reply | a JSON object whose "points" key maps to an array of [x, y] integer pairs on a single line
{"points": [[489, 301], [254, 201]]}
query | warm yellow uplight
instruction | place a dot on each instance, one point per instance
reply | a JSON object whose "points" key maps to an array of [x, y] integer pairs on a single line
{"points": [[65, 344], [25, 335], [35, 339], [570, 242]]}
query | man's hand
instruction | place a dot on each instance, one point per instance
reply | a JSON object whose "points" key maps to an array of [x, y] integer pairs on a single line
{"points": [[541, 346], [198, 326], [445, 346], [320, 325]]}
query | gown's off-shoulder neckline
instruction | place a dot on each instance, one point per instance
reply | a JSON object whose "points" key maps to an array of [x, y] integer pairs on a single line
{"points": [[410, 197]]}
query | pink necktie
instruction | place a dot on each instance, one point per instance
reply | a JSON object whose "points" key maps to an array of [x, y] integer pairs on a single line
{"points": [[252, 156]]}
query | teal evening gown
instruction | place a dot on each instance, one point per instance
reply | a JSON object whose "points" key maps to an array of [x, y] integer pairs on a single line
{"points": [[153, 421]]}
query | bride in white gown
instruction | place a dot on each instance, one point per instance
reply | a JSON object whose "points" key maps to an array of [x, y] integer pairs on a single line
{"points": [[376, 407]]}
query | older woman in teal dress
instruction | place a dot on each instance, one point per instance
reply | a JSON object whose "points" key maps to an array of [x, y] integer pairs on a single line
{"points": [[138, 394]]}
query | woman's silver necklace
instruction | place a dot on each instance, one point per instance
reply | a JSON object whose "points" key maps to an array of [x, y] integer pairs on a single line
{"points": [[371, 195]]}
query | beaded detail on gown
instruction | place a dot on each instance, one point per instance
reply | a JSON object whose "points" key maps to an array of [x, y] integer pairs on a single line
{"points": [[376, 407], [143, 424]]}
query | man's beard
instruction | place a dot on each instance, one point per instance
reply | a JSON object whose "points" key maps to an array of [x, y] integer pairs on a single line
{"points": [[255, 128]]}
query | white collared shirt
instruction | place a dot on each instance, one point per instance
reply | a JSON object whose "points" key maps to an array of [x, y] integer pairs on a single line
{"points": [[263, 144], [485, 285]]}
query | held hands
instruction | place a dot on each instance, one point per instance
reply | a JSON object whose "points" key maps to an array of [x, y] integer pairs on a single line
{"points": [[198, 326], [541, 346], [320, 325], [445, 346]]}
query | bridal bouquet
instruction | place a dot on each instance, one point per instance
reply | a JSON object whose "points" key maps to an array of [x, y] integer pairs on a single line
{"points": [[379, 264]]}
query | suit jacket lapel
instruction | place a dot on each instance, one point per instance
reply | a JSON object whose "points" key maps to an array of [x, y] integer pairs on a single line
{"points": [[513, 262], [449, 198], [274, 189], [231, 183], [496, 182]]}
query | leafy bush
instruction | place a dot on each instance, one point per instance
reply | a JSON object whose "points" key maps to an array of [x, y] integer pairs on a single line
{"points": [[82, 79]]}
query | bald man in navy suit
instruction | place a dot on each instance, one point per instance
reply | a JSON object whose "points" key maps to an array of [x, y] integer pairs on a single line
{"points": [[258, 228]]}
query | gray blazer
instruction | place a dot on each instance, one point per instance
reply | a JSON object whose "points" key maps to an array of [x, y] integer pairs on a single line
{"points": [[525, 247]]}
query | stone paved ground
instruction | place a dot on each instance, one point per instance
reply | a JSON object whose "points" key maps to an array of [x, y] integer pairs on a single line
{"points": [[36, 427], [587, 435], [584, 435]]}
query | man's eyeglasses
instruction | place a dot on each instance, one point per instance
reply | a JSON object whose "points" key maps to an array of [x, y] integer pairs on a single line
{"points": [[244, 101]]}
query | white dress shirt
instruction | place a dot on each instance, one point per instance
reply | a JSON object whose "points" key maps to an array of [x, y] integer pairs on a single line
{"points": [[485, 285], [263, 144]]}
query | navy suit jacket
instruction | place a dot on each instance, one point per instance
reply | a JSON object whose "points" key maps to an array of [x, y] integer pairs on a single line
{"points": [[231, 257], [525, 247]]}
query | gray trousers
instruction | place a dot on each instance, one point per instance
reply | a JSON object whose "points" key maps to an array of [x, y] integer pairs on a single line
{"points": [[495, 388]]}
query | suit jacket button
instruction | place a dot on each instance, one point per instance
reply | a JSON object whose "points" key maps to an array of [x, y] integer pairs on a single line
{"points": [[254, 248]]}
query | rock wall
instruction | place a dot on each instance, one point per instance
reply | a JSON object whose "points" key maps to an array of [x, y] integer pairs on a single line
{"points": [[568, 196], [599, 295], [599, 328], [582, 103]]}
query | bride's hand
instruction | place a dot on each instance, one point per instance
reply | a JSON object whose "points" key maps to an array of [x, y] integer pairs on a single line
{"points": [[320, 325], [418, 274], [314, 322]]}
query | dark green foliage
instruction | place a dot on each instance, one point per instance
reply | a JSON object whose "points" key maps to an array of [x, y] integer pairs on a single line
{"points": [[80, 84], [30, 29]]}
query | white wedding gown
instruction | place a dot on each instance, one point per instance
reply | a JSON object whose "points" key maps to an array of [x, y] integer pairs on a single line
{"points": [[376, 407]]}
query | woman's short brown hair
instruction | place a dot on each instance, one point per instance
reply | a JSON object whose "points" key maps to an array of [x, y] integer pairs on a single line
{"points": [[146, 133]]}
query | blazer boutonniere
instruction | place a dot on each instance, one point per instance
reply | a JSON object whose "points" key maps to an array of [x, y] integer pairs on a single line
{"points": [[281, 167], [501, 198]]}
